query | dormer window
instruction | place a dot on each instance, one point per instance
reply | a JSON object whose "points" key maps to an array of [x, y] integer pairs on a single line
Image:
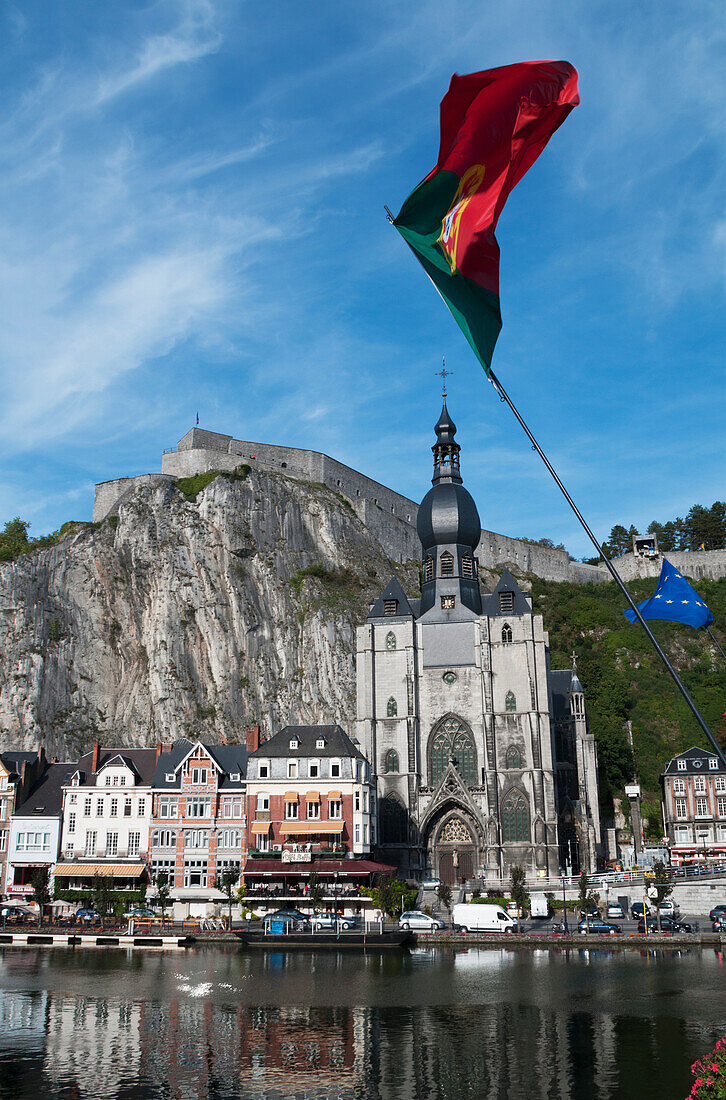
{"points": [[428, 569], [264, 769], [320, 743], [713, 764], [390, 607], [169, 777], [294, 743], [447, 564], [506, 603], [74, 781], [681, 765], [234, 777]]}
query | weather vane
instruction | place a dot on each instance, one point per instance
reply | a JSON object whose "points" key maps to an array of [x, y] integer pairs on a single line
{"points": [[444, 374]]}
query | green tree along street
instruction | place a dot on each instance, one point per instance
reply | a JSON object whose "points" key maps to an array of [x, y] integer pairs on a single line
{"points": [[227, 883], [392, 897], [624, 679], [518, 890], [316, 892], [661, 884], [443, 893], [163, 893], [41, 893], [587, 898]]}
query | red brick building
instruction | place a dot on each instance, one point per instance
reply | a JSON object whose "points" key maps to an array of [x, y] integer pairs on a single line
{"points": [[694, 806], [198, 823]]}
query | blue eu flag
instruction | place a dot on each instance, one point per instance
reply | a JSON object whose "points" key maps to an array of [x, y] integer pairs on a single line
{"points": [[674, 600]]}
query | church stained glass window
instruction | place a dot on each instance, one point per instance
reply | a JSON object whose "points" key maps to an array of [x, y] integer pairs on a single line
{"points": [[455, 832], [506, 634], [510, 701], [394, 821], [512, 759], [452, 738], [390, 640], [392, 708], [391, 761], [515, 819]]}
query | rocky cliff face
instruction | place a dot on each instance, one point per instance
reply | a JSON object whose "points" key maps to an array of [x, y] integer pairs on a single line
{"points": [[189, 617]]}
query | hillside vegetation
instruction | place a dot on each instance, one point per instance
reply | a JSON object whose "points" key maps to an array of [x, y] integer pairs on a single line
{"points": [[624, 679]]}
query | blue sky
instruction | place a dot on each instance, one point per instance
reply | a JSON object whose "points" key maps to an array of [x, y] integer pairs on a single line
{"points": [[191, 219]]}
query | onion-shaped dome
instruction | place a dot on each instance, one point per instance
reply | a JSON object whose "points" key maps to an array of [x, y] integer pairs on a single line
{"points": [[447, 515]]}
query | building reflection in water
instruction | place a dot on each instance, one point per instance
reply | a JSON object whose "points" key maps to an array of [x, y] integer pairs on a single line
{"points": [[197, 1043]]}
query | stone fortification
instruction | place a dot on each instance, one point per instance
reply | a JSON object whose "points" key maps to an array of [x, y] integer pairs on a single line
{"points": [[697, 564], [389, 516]]}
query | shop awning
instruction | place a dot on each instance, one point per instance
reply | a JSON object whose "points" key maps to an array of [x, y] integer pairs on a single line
{"points": [[291, 796], [346, 868], [296, 828], [334, 796], [259, 828], [313, 796], [103, 870]]}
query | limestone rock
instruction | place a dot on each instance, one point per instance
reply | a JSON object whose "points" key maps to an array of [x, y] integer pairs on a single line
{"points": [[190, 618]]}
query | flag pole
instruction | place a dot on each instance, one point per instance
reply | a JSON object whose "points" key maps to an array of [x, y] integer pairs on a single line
{"points": [[504, 396], [712, 636]]}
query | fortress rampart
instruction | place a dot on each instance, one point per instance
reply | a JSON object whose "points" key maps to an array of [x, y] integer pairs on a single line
{"points": [[389, 515]]}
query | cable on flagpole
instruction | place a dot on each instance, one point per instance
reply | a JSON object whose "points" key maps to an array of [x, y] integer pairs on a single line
{"points": [[504, 396]]}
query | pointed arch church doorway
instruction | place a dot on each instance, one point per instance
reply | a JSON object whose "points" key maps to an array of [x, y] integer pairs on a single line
{"points": [[455, 851]]}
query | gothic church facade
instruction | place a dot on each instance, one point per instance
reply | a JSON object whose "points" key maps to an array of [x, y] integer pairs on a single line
{"points": [[482, 753]]}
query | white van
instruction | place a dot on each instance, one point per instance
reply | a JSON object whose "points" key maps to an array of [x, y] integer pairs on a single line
{"points": [[539, 906], [470, 917]]}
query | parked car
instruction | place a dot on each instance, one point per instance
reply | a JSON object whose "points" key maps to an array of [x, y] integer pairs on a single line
{"points": [[638, 908], [140, 914], [717, 909], [591, 912], [293, 919], [420, 922], [470, 917], [615, 910], [323, 922], [667, 925], [87, 916], [718, 923], [430, 883], [598, 926], [669, 908]]}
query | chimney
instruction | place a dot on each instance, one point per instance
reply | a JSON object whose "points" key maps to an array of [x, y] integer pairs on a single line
{"points": [[253, 738], [41, 756], [159, 751], [95, 758]]}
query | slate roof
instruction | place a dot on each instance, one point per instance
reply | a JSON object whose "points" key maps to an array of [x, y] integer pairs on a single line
{"points": [[560, 681], [46, 794], [392, 591], [141, 761], [13, 761], [507, 583], [229, 758], [337, 743], [697, 763]]}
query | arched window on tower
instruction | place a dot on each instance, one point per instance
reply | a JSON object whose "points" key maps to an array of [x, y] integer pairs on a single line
{"points": [[510, 701], [506, 634], [392, 708], [390, 763], [447, 564], [394, 821], [452, 739], [428, 568], [390, 640], [512, 758], [515, 819]]}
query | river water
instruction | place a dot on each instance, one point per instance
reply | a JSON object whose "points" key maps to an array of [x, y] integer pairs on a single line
{"points": [[430, 1025]]}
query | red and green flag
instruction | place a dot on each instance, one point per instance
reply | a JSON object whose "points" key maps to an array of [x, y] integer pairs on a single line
{"points": [[494, 125]]}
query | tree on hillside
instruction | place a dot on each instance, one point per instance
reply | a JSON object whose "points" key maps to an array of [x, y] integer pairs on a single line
{"points": [[619, 542], [14, 539]]}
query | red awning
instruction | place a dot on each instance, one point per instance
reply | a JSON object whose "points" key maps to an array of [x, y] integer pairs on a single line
{"points": [[346, 868]]}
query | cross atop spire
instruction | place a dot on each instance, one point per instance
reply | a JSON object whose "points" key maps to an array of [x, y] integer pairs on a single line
{"points": [[573, 655], [444, 373]]}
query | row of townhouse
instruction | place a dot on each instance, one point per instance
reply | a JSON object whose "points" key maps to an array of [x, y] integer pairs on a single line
{"points": [[694, 806], [301, 804]]}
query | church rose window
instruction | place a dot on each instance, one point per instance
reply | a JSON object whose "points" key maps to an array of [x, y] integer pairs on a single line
{"points": [[391, 761], [512, 759], [510, 701], [392, 708], [394, 822], [452, 738], [455, 832], [447, 564], [390, 640], [515, 818], [506, 634]]}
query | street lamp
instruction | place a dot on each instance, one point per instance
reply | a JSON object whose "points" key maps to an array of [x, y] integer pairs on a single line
{"points": [[564, 907]]}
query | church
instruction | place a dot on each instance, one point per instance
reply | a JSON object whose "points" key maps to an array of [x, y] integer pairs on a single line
{"points": [[482, 752]]}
